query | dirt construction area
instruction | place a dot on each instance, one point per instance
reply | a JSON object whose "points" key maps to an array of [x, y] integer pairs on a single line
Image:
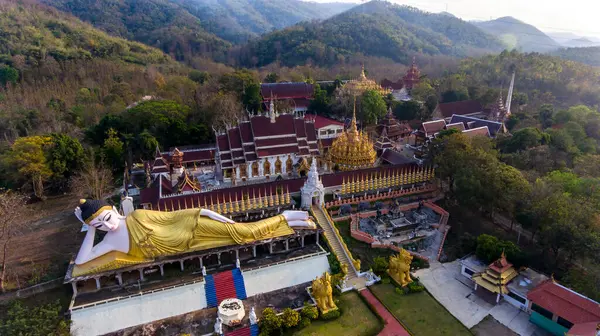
{"points": [[43, 249]]}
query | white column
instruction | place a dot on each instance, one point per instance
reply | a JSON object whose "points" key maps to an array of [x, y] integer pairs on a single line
{"points": [[97, 283], [476, 286], [498, 298]]}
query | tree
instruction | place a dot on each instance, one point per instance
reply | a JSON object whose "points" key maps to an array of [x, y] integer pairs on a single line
{"points": [[94, 181], [380, 265], [272, 77], [455, 95], [64, 155], [546, 114], [372, 106], [27, 155], [46, 319], [199, 76], [113, 151], [13, 220], [251, 98], [290, 318], [8, 74], [407, 110], [524, 139], [320, 105]]}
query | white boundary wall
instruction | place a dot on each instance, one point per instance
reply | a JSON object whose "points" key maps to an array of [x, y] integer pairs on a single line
{"points": [[129, 312], [132, 311], [285, 275]]}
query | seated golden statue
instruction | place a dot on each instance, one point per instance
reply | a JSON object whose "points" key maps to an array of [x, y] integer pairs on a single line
{"points": [[144, 235], [400, 267]]}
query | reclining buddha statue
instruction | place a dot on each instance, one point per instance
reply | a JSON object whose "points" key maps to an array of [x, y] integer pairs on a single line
{"points": [[144, 235]]}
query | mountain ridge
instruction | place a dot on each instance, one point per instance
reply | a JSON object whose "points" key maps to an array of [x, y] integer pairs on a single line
{"points": [[375, 28], [517, 34]]}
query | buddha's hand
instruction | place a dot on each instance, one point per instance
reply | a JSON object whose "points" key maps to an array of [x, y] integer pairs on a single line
{"points": [[213, 215]]}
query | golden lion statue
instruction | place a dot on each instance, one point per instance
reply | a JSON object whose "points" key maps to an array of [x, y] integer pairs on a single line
{"points": [[400, 267], [323, 294]]}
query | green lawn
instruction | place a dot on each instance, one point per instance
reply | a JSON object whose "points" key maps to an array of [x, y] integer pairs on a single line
{"points": [[420, 312], [357, 319]]}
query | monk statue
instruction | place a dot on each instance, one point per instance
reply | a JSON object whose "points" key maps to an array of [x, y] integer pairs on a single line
{"points": [[144, 235]]}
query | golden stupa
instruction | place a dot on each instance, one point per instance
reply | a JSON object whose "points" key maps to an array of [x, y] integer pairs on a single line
{"points": [[358, 86], [352, 149]]}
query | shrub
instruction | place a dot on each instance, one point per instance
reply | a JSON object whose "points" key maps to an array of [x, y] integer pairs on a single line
{"points": [[385, 281], [380, 265], [290, 318], [362, 206], [418, 263], [415, 287], [399, 291], [304, 322], [332, 315], [269, 321], [345, 209], [334, 264], [310, 312]]}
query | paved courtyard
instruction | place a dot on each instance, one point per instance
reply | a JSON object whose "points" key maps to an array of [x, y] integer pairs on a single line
{"points": [[461, 301]]}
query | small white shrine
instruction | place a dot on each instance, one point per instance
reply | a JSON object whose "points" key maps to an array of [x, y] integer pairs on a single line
{"points": [[313, 192]]}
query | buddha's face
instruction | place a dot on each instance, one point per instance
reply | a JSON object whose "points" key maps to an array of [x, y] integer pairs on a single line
{"points": [[107, 220]]}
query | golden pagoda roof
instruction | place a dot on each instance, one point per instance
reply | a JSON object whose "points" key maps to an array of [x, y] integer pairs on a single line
{"points": [[352, 149], [496, 276], [358, 86]]}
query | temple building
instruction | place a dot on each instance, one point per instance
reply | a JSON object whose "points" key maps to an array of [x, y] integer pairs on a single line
{"points": [[394, 129], [469, 108], [496, 277], [361, 84], [299, 95], [352, 149], [266, 146], [189, 157], [402, 88]]}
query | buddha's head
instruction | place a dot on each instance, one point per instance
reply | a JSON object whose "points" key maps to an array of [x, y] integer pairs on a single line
{"points": [[98, 214]]}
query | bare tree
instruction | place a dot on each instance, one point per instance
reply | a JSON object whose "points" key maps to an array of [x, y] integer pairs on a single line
{"points": [[95, 181], [13, 220]]}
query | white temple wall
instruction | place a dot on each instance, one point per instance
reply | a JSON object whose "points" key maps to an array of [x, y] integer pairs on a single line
{"points": [[285, 275], [116, 315]]}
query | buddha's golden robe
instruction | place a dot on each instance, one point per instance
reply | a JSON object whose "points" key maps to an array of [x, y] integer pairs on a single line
{"points": [[155, 234]]}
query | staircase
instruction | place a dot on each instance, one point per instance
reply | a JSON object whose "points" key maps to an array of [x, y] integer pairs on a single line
{"points": [[224, 285], [335, 242]]}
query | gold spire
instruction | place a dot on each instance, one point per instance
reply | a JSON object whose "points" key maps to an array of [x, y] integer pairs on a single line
{"points": [[363, 76]]}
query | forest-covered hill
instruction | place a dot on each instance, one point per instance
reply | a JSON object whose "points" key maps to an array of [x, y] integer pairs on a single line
{"points": [[158, 23], [588, 55], [51, 62], [239, 20], [375, 28], [518, 35]]}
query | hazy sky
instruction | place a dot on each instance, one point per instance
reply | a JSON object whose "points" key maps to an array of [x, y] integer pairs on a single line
{"points": [[577, 16]]}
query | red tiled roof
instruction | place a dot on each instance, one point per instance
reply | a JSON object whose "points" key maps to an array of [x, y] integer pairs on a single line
{"points": [[564, 302], [286, 90], [327, 142], [459, 126], [276, 141], [460, 108], [311, 132], [300, 129], [388, 84], [432, 127], [500, 265], [246, 132], [262, 126], [302, 102], [585, 329], [336, 179], [277, 151], [251, 156], [322, 121], [395, 158], [484, 131], [235, 140], [222, 142]]}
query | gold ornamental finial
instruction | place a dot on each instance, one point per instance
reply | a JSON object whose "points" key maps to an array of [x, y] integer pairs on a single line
{"points": [[362, 72]]}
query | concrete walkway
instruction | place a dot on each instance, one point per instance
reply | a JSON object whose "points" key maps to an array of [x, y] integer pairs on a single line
{"points": [[461, 301], [392, 326]]}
